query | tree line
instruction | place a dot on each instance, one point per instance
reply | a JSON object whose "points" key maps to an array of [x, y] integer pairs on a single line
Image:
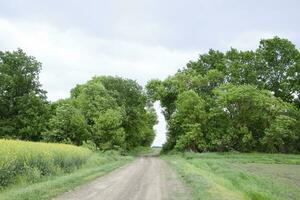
{"points": [[235, 100], [106, 112]]}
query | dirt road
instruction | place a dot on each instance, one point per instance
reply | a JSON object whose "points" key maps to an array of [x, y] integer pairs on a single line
{"points": [[147, 178]]}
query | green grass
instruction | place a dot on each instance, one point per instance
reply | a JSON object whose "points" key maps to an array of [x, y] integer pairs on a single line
{"points": [[144, 151], [50, 186], [239, 175]]}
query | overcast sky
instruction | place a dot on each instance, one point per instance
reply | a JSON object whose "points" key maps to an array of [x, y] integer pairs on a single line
{"points": [[137, 39]]}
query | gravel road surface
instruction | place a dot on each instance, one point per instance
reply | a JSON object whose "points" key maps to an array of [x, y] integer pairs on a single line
{"points": [[147, 178]]}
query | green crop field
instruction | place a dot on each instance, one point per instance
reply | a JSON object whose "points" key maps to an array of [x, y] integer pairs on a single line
{"points": [[239, 175], [36, 170], [30, 160]]}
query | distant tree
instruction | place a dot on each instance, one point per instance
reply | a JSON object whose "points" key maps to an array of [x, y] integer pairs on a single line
{"points": [[115, 111], [102, 114], [149, 120], [248, 100], [108, 112], [138, 118], [24, 110]]}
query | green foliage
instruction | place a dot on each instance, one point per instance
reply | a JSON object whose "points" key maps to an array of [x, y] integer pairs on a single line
{"points": [[67, 125], [138, 122], [188, 120], [280, 65], [283, 135], [100, 111], [250, 112], [110, 112], [238, 100], [24, 111], [108, 132]]}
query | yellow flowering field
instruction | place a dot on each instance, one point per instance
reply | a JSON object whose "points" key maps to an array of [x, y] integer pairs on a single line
{"points": [[20, 160]]}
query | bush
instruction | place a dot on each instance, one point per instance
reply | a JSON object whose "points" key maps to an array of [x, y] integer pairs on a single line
{"points": [[21, 160]]}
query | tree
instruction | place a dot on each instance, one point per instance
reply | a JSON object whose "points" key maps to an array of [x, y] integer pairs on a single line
{"points": [[102, 114], [243, 92], [24, 110], [115, 111], [283, 135], [108, 132], [279, 62], [139, 120], [243, 67], [67, 124], [250, 112], [186, 123]]}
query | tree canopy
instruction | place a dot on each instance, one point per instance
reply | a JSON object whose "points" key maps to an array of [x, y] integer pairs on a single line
{"points": [[24, 110], [237, 100], [112, 112]]}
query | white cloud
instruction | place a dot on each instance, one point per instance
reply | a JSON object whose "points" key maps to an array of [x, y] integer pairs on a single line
{"points": [[249, 40], [72, 56]]}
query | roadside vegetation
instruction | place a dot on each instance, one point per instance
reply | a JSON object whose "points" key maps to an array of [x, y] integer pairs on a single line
{"points": [[38, 171], [232, 176], [108, 112], [236, 100], [22, 161]]}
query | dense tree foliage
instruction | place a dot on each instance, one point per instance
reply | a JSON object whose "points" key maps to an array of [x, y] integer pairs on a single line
{"points": [[24, 111], [67, 124], [237, 100], [109, 111]]}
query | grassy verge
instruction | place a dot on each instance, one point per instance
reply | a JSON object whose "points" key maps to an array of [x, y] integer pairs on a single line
{"points": [[144, 151], [239, 175], [50, 186]]}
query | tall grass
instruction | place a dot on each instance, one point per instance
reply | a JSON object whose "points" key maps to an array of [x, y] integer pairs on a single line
{"points": [[215, 176], [22, 161]]}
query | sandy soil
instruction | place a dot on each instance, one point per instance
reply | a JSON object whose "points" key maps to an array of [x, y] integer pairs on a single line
{"points": [[147, 178]]}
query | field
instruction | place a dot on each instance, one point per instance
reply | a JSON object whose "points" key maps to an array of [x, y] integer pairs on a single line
{"points": [[30, 170], [28, 161], [239, 175]]}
